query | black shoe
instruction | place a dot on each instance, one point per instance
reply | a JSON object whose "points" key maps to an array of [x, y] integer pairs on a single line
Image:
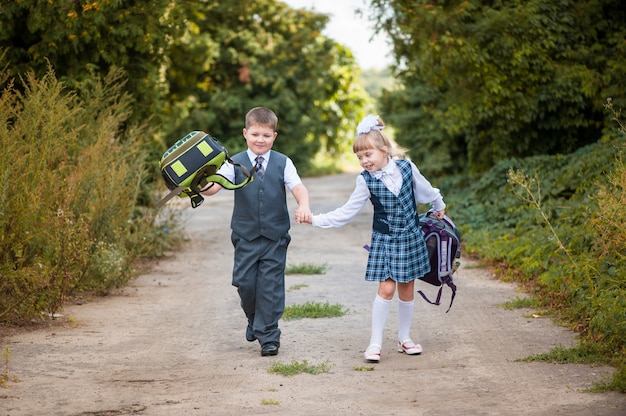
{"points": [[250, 334], [271, 348]]}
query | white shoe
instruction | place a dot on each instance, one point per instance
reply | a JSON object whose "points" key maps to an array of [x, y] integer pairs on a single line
{"points": [[372, 353], [409, 347]]}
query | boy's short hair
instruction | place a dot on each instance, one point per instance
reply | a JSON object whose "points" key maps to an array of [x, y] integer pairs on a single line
{"points": [[261, 116]]}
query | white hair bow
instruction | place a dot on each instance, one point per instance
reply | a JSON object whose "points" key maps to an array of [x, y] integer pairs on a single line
{"points": [[367, 124]]}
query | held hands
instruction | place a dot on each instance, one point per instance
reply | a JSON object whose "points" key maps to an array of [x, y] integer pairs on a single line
{"points": [[303, 215]]}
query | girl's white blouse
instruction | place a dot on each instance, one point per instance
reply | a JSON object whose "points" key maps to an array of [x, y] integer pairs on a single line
{"points": [[391, 177]]}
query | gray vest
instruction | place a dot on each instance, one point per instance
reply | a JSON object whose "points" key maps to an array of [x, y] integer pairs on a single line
{"points": [[260, 207]]}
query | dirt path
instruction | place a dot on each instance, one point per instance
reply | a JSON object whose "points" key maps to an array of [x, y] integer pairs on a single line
{"points": [[173, 342]]}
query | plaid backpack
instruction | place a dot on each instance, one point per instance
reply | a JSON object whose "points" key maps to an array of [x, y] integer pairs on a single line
{"points": [[443, 241], [191, 163]]}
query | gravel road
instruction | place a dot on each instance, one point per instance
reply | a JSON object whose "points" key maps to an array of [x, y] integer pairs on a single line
{"points": [[172, 342]]}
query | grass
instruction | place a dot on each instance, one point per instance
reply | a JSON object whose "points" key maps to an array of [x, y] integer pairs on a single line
{"points": [[561, 237], [313, 310], [296, 367], [521, 303], [476, 265], [306, 268], [298, 287], [584, 353]]}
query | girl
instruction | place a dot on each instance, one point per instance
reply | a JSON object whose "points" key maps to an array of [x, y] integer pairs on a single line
{"points": [[398, 253]]}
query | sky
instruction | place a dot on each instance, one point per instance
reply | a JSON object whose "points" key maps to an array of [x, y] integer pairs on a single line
{"points": [[351, 30]]}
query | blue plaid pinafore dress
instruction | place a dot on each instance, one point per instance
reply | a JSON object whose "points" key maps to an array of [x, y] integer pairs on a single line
{"points": [[398, 250]]}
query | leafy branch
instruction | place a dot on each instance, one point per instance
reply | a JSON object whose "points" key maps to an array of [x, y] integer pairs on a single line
{"points": [[616, 114], [531, 194], [526, 183]]}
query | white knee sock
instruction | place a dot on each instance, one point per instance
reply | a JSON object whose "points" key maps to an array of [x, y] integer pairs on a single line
{"points": [[380, 310], [405, 319]]}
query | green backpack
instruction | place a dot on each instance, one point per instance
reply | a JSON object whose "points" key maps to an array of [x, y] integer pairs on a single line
{"points": [[191, 163]]}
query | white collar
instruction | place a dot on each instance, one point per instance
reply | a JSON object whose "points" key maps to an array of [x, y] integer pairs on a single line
{"points": [[252, 156], [388, 169]]}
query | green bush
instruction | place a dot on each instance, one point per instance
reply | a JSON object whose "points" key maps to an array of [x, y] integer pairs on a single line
{"points": [[557, 225], [69, 186]]}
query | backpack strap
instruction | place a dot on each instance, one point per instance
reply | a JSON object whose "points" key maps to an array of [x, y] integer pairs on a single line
{"points": [[448, 281], [208, 174], [205, 176], [172, 194]]}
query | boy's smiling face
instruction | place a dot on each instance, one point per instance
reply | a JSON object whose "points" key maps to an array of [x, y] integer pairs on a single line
{"points": [[260, 138]]}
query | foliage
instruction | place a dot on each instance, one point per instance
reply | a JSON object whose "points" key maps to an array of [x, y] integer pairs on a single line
{"points": [[68, 191], [313, 310], [484, 81], [377, 80], [297, 367], [566, 242], [83, 38], [199, 66], [238, 55], [101, 84]]}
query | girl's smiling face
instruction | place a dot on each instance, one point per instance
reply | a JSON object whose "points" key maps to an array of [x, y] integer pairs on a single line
{"points": [[373, 159]]}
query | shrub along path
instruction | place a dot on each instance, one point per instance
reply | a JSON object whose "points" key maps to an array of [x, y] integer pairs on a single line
{"points": [[172, 343]]}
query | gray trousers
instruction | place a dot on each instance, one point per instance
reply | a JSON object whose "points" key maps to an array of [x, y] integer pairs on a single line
{"points": [[259, 276]]}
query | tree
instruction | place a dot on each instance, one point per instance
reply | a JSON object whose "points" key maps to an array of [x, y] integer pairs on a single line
{"points": [[263, 53], [495, 79], [192, 65], [81, 38]]}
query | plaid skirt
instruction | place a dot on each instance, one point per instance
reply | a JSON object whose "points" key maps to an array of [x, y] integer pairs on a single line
{"points": [[401, 257]]}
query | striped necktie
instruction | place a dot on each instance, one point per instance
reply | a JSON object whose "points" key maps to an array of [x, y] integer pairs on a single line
{"points": [[260, 170]]}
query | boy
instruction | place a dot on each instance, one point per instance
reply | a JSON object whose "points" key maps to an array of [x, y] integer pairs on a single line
{"points": [[260, 227]]}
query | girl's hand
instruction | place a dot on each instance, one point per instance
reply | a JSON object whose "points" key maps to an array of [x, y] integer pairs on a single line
{"points": [[439, 214]]}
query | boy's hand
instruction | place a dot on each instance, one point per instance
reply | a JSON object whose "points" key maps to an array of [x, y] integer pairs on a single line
{"points": [[303, 215], [212, 189]]}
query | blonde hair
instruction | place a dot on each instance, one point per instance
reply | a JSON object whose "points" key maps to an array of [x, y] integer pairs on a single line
{"points": [[376, 139]]}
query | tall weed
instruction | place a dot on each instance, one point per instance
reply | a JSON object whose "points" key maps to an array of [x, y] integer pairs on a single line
{"points": [[70, 179], [565, 242]]}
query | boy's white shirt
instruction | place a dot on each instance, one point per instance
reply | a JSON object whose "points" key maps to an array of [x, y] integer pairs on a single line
{"points": [[391, 177], [291, 174]]}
